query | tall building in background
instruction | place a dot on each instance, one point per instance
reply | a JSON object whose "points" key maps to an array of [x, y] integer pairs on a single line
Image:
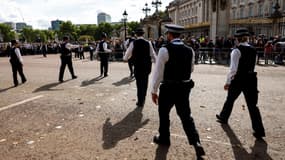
{"points": [[20, 26], [55, 25], [103, 17]]}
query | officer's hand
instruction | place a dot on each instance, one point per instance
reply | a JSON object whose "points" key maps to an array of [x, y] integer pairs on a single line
{"points": [[226, 86], [154, 97]]}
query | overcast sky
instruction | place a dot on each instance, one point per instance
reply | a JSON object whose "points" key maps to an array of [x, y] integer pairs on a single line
{"points": [[39, 13]]}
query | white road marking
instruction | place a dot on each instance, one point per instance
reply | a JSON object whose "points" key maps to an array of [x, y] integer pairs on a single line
{"points": [[19, 103]]}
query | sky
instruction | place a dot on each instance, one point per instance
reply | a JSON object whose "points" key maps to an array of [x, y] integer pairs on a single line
{"points": [[40, 13]]}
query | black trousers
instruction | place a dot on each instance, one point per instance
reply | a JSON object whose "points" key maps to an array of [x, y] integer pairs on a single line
{"points": [[17, 67], [104, 65], [131, 67], [66, 60], [178, 95], [248, 85], [142, 84]]}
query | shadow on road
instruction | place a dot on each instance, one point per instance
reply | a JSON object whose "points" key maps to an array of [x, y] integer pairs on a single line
{"points": [[92, 81], [161, 152], [258, 151], [112, 134], [124, 81], [48, 87], [5, 89]]}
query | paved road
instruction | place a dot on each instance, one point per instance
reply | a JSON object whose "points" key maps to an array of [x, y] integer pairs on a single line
{"points": [[92, 118]]}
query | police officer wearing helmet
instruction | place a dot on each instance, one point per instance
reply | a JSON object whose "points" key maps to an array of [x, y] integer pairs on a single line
{"points": [[243, 78], [172, 75]]}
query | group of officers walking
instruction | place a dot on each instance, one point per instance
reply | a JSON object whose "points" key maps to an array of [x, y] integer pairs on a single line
{"points": [[172, 78]]}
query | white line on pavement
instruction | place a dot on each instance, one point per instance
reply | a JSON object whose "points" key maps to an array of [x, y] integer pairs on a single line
{"points": [[21, 102]]}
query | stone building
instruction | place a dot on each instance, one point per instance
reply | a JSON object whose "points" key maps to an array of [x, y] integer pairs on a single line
{"points": [[222, 17]]}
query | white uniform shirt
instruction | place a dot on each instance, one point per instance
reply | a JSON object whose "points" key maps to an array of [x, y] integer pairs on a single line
{"points": [[18, 53], [162, 58], [235, 56], [105, 47], [129, 51]]}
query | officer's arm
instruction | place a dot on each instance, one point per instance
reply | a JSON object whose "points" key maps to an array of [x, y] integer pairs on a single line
{"points": [[129, 52], [235, 56]]}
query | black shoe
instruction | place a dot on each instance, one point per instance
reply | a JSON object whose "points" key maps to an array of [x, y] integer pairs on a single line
{"points": [[15, 85], [140, 104], [74, 77], [60, 80], [24, 81], [221, 120], [258, 135], [199, 149], [105, 75], [160, 141]]}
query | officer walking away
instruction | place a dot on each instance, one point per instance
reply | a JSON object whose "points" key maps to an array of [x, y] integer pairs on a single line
{"points": [[130, 61], [142, 54], [103, 52], [175, 63], [66, 58], [16, 61], [243, 78]]}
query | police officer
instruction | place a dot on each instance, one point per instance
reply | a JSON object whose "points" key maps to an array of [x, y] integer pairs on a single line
{"points": [[66, 58], [142, 54], [103, 52], [130, 61], [242, 78], [173, 69], [16, 61]]}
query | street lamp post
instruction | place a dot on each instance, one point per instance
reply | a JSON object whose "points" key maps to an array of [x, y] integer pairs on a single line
{"points": [[125, 15], [156, 4], [146, 10]]}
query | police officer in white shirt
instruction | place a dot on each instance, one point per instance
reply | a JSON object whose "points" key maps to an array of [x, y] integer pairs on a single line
{"points": [[16, 61], [142, 54], [66, 58], [243, 78], [174, 65]]}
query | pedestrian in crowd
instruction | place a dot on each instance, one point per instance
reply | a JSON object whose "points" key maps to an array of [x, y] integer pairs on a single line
{"points": [[103, 52], [130, 61], [243, 78], [66, 58], [268, 51], [173, 69], [81, 52], [142, 54], [16, 61]]}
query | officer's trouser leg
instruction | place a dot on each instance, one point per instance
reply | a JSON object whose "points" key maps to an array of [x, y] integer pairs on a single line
{"points": [[62, 68], [233, 93], [165, 103], [131, 68], [251, 97], [184, 112], [14, 70], [142, 84], [20, 70], [70, 67]]}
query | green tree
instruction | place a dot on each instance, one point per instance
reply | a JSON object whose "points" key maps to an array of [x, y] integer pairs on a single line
{"points": [[132, 26], [7, 34], [103, 27], [68, 29]]}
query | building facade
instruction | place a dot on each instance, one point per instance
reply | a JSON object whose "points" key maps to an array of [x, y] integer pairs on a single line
{"points": [[222, 17], [55, 25], [103, 17]]}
